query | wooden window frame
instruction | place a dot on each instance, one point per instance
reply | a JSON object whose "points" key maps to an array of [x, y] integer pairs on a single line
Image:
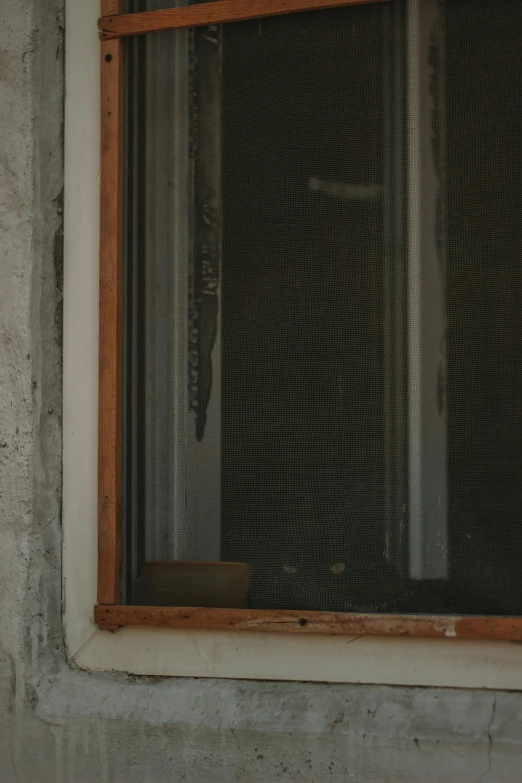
{"points": [[109, 613]]}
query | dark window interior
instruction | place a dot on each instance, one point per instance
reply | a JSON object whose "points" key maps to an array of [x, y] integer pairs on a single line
{"points": [[313, 444]]}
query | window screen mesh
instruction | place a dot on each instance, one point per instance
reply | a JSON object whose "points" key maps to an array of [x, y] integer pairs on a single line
{"points": [[323, 340]]}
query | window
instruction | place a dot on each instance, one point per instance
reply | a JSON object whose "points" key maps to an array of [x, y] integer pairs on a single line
{"points": [[310, 332]]}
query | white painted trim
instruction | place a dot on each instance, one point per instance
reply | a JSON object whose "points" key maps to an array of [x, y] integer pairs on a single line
{"points": [[80, 349], [174, 652], [163, 652]]}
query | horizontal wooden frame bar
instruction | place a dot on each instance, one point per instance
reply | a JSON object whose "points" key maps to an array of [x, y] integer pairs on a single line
{"points": [[493, 628], [116, 26]]}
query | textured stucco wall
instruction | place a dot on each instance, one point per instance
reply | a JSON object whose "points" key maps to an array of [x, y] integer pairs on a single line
{"points": [[60, 724]]}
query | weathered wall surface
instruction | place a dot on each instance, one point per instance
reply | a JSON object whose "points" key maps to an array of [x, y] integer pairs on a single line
{"points": [[59, 724]]}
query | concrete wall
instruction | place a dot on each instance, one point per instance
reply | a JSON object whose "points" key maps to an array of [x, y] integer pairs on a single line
{"points": [[61, 724]]}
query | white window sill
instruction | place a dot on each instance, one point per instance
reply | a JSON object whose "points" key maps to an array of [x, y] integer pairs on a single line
{"points": [[428, 662]]}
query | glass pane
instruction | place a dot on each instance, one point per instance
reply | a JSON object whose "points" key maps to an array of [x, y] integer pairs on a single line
{"points": [[322, 357], [172, 481], [484, 291], [303, 395]]}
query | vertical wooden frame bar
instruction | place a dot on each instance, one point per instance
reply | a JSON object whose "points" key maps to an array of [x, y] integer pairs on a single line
{"points": [[110, 317]]}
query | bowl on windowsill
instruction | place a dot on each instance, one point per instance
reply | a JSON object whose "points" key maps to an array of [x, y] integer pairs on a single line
{"points": [[204, 584]]}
